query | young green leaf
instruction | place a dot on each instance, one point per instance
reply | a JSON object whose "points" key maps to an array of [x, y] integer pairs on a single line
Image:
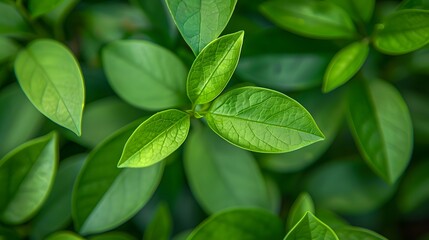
{"points": [[64, 235], [355, 233], [318, 19], [105, 196], [161, 225], [200, 22], [359, 10], [155, 139], [51, 79], [213, 68], [239, 224], [402, 32], [262, 120], [145, 75], [381, 126], [345, 64], [311, 228], [40, 7], [300, 207], [26, 176], [219, 174]]}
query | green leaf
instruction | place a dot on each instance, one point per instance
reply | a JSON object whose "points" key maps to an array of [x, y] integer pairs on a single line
{"points": [[414, 4], [56, 212], [64, 235], [311, 228], [11, 22], [113, 236], [105, 196], [300, 207], [161, 225], [239, 224], [262, 120], [145, 75], [213, 68], [355, 233], [318, 19], [51, 79], [331, 219], [345, 64], [349, 187], [414, 188], [359, 10], [219, 174], [200, 22], [40, 7], [26, 176], [9, 49], [57, 15], [155, 139], [381, 126], [402, 32]]}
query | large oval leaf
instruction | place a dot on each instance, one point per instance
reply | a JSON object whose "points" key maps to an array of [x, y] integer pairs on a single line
{"points": [[145, 75], [311, 228], [105, 196], [262, 120], [319, 19], [51, 79], [155, 139], [200, 22], [345, 64], [381, 126], [239, 224], [300, 207], [213, 68], [219, 174], [403, 32], [26, 176], [355, 233]]}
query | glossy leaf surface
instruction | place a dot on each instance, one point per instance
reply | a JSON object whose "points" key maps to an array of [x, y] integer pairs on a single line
{"points": [[311, 228], [300, 207]]}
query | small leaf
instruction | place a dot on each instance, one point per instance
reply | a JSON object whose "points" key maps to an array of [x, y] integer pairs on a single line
{"points": [[161, 225], [355, 233], [402, 32], [51, 79], [300, 207], [311, 228], [64, 235], [26, 176], [40, 7], [200, 22], [219, 174], [359, 10], [239, 224], [318, 19], [155, 139], [145, 75], [213, 68], [262, 120], [345, 64], [381, 126], [105, 196]]}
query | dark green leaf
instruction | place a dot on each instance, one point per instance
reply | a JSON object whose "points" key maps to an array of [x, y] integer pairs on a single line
{"points": [[64, 235], [40, 7], [418, 104], [355, 233], [223, 176], [300, 207], [11, 21], [246, 117], [414, 188], [161, 225], [402, 32], [113, 236], [213, 68], [331, 219], [414, 4], [9, 49], [145, 75], [381, 126], [26, 176], [239, 224], [359, 10], [200, 22], [51, 79], [311, 228]]}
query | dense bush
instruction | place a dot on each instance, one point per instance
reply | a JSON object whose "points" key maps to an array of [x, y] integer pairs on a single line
{"points": [[198, 119]]}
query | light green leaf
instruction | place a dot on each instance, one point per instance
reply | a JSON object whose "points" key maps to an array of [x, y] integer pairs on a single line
{"points": [[105, 196], [40, 7], [414, 192], [345, 64], [318, 19], [161, 225], [381, 126], [56, 212], [51, 79], [213, 68], [311, 228], [262, 120], [359, 10], [155, 139], [200, 22], [145, 75], [355, 233], [300, 207], [402, 32], [239, 224], [26, 176], [219, 174], [11, 21], [64, 235]]}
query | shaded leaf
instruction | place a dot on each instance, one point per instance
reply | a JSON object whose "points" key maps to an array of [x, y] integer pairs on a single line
{"points": [[40, 7], [64, 235], [414, 188], [113, 236], [9, 49], [355, 233], [359, 10], [311, 228], [161, 225], [11, 22], [300, 207]]}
